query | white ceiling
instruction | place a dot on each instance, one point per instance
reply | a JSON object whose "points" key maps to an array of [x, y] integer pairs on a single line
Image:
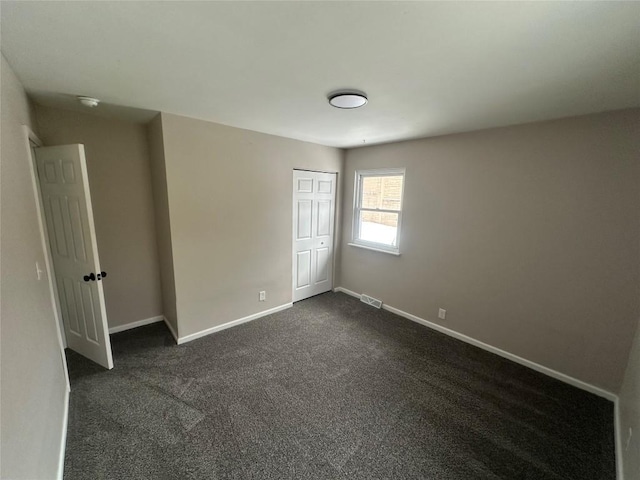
{"points": [[428, 68]]}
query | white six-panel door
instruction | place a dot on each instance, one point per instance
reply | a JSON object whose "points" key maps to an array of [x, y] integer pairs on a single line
{"points": [[64, 186], [314, 196]]}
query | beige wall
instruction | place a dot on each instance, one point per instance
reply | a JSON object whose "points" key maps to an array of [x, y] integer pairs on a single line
{"points": [[230, 202], [120, 181], [629, 404], [34, 386], [163, 224], [527, 235]]}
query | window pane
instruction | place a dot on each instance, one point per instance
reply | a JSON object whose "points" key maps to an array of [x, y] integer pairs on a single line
{"points": [[379, 227], [382, 192]]}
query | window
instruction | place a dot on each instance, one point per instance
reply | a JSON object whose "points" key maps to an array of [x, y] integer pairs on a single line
{"points": [[377, 209]]}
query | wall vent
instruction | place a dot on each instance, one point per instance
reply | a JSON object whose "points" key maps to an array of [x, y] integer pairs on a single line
{"points": [[374, 302]]}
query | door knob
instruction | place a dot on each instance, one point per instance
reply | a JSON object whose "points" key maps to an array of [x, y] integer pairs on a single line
{"points": [[101, 275], [91, 277]]}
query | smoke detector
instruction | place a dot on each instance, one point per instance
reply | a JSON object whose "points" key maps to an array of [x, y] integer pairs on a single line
{"points": [[89, 101]]}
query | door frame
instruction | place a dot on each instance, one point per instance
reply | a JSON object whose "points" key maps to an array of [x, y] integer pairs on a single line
{"points": [[32, 141], [336, 220]]}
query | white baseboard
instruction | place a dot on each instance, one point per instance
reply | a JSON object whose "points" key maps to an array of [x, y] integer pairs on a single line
{"points": [[139, 323], [509, 356], [233, 323], [348, 292], [170, 327], [63, 436]]}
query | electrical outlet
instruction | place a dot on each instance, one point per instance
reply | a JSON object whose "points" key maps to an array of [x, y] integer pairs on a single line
{"points": [[263, 296], [442, 314]]}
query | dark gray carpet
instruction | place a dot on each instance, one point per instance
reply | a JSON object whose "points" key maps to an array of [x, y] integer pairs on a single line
{"points": [[329, 389]]}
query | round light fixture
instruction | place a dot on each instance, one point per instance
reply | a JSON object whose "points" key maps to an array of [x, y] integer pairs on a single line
{"points": [[88, 101], [348, 99]]}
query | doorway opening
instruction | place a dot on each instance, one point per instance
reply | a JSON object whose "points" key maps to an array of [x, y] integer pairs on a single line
{"points": [[72, 265]]}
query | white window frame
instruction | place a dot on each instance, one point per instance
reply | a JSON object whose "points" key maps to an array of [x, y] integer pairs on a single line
{"points": [[357, 208]]}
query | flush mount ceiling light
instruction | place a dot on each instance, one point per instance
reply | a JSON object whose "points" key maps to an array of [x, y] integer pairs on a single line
{"points": [[88, 101], [348, 99]]}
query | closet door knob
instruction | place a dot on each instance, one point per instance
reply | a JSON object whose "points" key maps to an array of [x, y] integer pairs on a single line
{"points": [[91, 277]]}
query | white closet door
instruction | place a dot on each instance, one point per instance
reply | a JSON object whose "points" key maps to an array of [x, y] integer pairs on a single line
{"points": [[314, 205]]}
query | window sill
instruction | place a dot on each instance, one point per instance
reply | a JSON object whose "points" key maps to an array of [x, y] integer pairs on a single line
{"points": [[381, 250]]}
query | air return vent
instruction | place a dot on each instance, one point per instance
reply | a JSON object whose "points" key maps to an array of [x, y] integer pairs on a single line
{"points": [[374, 302]]}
